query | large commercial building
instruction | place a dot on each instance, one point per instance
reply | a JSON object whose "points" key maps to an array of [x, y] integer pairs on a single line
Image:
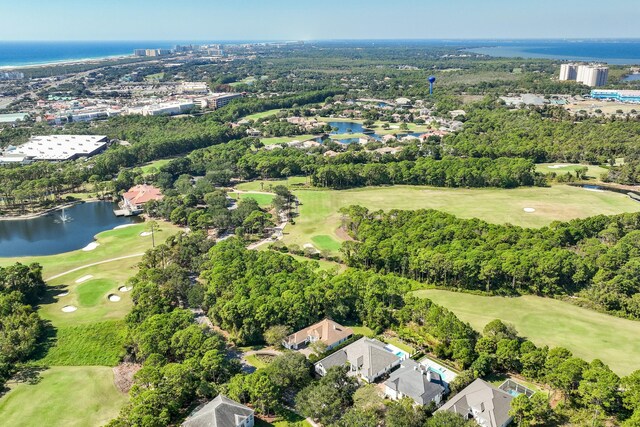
{"points": [[632, 96], [221, 100], [591, 75], [57, 148], [193, 88], [167, 109]]}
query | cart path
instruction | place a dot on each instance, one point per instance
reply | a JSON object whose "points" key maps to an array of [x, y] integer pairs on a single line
{"points": [[73, 270]]}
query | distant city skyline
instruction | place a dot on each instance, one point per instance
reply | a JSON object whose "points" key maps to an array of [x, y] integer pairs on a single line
{"points": [[115, 20]]}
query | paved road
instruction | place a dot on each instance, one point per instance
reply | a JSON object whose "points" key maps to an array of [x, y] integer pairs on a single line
{"points": [[93, 264]]}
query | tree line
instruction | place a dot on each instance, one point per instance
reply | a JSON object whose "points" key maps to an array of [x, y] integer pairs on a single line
{"points": [[21, 328], [594, 258]]}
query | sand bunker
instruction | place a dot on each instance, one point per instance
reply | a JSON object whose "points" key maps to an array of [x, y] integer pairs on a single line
{"points": [[145, 233], [69, 308], [84, 278], [118, 227], [124, 288], [63, 294], [557, 166], [114, 297], [91, 246], [529, 210]]}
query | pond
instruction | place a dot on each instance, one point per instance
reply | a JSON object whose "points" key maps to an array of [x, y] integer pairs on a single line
{"points": [[50, 234], [631, 77], [354, 127]]}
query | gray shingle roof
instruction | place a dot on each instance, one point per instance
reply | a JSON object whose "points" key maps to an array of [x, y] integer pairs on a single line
{"points": [[220, 412], [412, 380], [368, 355], [489, 405]]}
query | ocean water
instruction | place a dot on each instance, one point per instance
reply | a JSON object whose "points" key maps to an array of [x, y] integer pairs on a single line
{"points": [[620, 52], [32, 53], [624, 51]]}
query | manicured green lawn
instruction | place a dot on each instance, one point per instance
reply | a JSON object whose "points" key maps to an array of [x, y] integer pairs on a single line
{"points": [[362, 330], [319, 208], [593, 172], [266, 185], [247, 80], [259, 361], [92, 291], [155, 164], [78, 389], [283, 139], [263, 114], [323, 242], [90, 297], [262, 199], [97, 344], [77, 396], [113, 244], [588, 334]]}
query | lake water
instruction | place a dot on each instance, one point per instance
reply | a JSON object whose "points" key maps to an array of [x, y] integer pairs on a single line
{"points": [[631, 78], [47, 235], [353, 127]]}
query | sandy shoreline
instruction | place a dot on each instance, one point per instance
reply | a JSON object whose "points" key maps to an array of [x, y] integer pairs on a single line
{"points": [[65, 62]]}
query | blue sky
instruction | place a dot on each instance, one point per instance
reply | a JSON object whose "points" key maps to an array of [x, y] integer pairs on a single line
{"points": [[319, 19]]}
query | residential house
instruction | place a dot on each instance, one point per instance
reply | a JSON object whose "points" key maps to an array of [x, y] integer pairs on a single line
{"points": [[487, 405], [253, 132], [417, 382], [327, 331], [387, 138], [139, 195], [221, 412], [367, 358]]}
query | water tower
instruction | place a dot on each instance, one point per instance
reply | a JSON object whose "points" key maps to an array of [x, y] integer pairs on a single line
{"points": [[432, 80]]}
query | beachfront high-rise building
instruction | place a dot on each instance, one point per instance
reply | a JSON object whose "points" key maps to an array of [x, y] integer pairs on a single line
{"points": [[568, 72], [591, 75]]}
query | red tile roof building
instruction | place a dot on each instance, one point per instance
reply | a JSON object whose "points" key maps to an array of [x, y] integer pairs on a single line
{"points": [[137, 196]]}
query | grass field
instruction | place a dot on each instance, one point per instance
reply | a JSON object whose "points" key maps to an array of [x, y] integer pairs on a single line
{"points": [[319, 218], [248, 80], [588, 334], [262, 199], [113, 244], [97, 344], [593, 172], [265, 185], [263, 114], [78, 389], [157, 164], [283, 139], [77, 396]]}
